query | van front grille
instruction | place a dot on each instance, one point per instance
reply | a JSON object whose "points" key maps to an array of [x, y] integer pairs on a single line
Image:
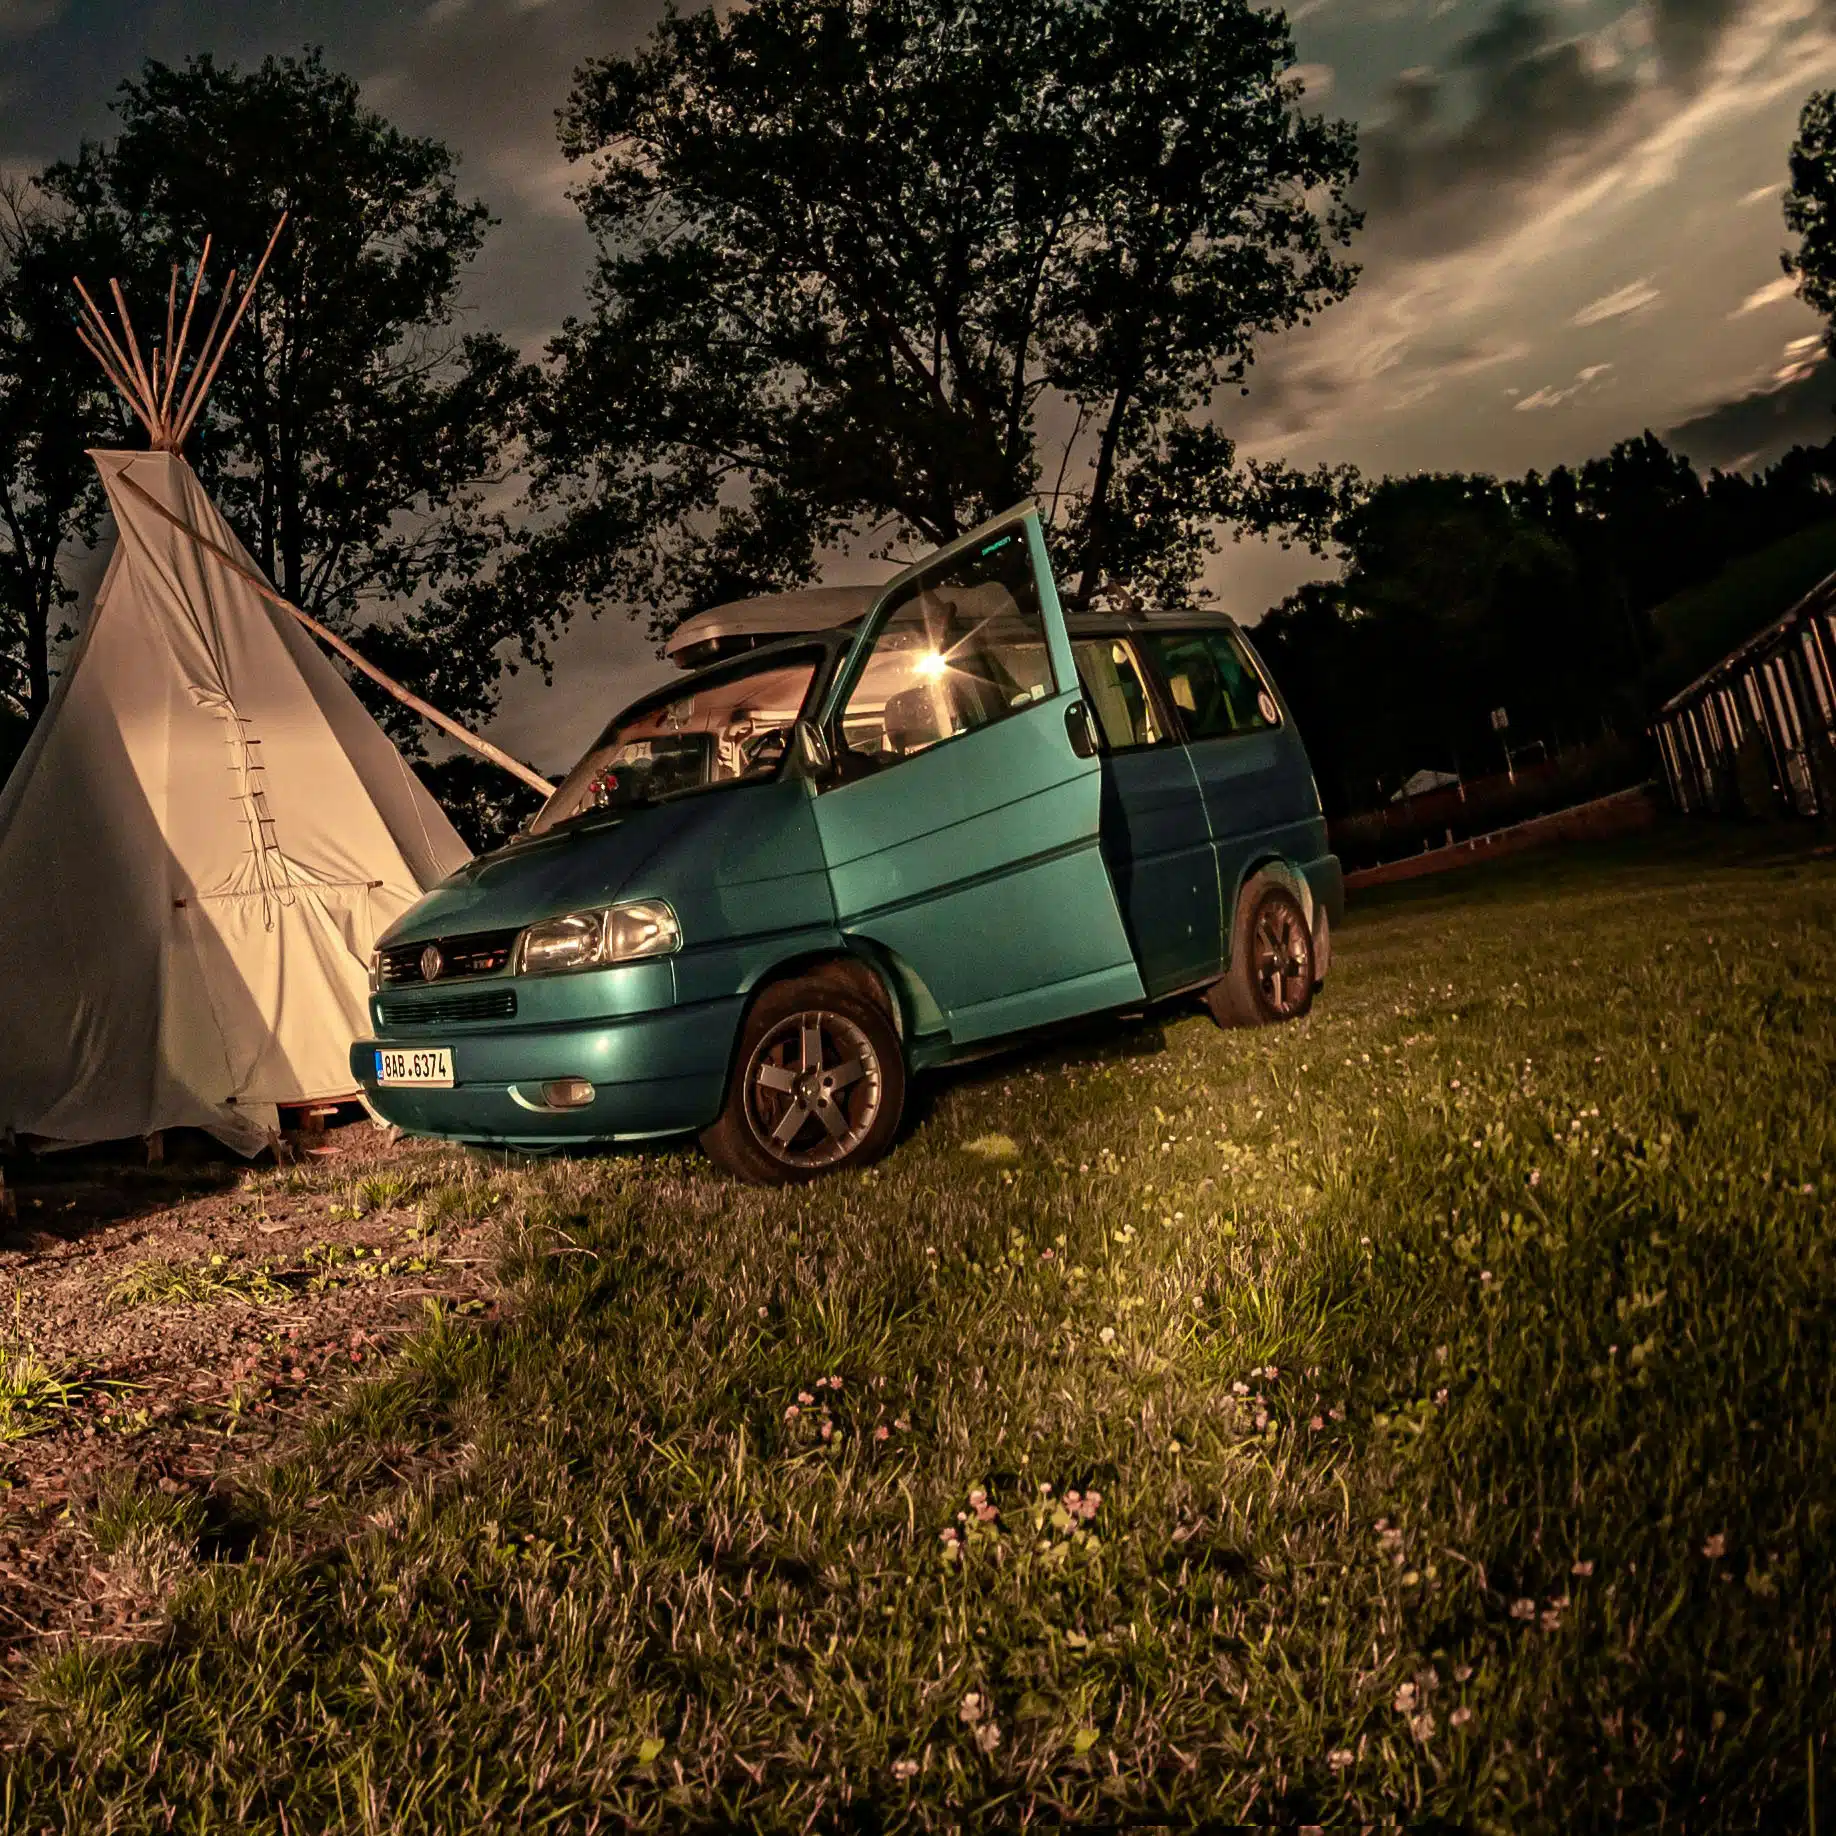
{"points": [[436, 1010], [479, 953]]}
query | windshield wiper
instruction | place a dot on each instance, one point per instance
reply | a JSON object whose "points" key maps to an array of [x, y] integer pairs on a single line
{"points": [[600, 813]]}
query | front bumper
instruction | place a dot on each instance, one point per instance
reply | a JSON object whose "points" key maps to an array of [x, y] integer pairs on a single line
{"points": [[653, 1074]]}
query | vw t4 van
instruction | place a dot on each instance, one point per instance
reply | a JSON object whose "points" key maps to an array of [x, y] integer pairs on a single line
{"points": [[774, 891]]}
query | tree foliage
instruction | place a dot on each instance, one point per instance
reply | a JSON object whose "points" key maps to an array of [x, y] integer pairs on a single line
{"points": [[353, 427], [54, 404], [1464, 593], [1810, 206], [894, 266]]}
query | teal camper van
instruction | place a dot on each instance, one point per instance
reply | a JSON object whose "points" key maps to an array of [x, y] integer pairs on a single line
{"points": [[826, 860]]}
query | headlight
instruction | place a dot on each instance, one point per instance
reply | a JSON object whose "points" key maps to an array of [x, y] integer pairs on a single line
{"points": [[594, 940], [375, 970]]}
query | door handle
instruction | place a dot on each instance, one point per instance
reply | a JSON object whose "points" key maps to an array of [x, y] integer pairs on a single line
{"points": [[1080, 730]]}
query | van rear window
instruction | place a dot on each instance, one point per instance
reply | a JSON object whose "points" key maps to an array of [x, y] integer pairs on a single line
{"points": [[1215, 686]]}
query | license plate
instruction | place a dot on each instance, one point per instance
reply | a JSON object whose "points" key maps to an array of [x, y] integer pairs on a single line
{"points": [[432, 1065]]}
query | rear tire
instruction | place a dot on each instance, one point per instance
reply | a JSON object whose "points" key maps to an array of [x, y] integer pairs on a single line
{"points": [[818, 1082], [1271, 974]]}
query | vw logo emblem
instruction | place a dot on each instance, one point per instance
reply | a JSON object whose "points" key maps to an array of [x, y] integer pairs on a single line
{"points": [[432, 962]]}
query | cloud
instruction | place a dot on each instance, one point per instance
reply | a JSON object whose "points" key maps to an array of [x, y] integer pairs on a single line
{"points": [[1801, 356], [1552, 396], [487, 76], [1316, 80], [1512, 269], [1784, 288], [540, 176], [1531, 97], [1759, 425], [1458, 148], [1635, 296], [1685, 32], [1760, 193]]}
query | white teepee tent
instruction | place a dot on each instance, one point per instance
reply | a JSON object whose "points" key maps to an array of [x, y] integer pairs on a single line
{"points": [[199, 846]]}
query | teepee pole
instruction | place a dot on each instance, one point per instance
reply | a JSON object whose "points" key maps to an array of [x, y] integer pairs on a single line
{"points": [[128, 392], [172, 369], [406, 697], [98, 326], [190, 392], [127, 325], [248, 293], [166, 348]]}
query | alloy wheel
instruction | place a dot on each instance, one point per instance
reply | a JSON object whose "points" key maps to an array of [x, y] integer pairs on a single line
{"points": [[813, 1089], [1283, 956]]}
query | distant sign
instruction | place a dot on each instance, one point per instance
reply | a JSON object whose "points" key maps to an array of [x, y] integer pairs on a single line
{"points": [[1500, 720]]}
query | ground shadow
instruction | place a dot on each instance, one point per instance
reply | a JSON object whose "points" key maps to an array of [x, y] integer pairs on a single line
{"points": [[1673, 848], [59, 1197], [1101, 1039]]}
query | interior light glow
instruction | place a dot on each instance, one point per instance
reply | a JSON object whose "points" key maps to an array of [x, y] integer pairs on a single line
{"points": [[932, 665]]}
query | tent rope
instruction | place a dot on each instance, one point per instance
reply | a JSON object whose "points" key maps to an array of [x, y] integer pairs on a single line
{"points": [[428, 712]]}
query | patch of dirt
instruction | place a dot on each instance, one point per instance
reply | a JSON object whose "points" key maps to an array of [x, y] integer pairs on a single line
{"points": [[314, 1279]]}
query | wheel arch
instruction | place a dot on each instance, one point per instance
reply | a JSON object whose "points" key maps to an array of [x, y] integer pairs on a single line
{"points": [[882, 985]]}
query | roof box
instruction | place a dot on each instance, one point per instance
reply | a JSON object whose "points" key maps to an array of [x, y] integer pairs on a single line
{"points": [[744, 624]]}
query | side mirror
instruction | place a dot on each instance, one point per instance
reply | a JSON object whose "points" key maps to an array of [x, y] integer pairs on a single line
{"points": [[810, 744]]}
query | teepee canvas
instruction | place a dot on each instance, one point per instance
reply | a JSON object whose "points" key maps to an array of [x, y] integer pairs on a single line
{"points": [[198, 848]]}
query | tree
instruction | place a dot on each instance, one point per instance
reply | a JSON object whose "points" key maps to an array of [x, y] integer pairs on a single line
{"points": [[895, 266], [353, 428], [483, 802], [1456, 599], [1541, 594], [1810, 207], [53, 405]]}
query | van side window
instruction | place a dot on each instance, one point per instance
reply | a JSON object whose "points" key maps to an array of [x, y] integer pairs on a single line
{"points": [[964, 648], [1110, 676], [1213, 683]]}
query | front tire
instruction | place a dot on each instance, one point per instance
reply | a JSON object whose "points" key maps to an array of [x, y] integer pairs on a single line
{"points": [[818, 1082], [1271, 976]]}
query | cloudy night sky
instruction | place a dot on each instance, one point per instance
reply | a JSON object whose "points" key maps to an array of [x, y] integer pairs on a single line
{"points": [[1573, 224]]}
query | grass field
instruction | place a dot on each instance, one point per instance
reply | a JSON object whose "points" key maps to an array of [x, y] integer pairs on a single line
{"points": [[1419, 1414]]}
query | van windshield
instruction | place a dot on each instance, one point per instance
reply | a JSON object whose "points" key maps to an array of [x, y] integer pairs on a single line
{"points": [[731, 730]]}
